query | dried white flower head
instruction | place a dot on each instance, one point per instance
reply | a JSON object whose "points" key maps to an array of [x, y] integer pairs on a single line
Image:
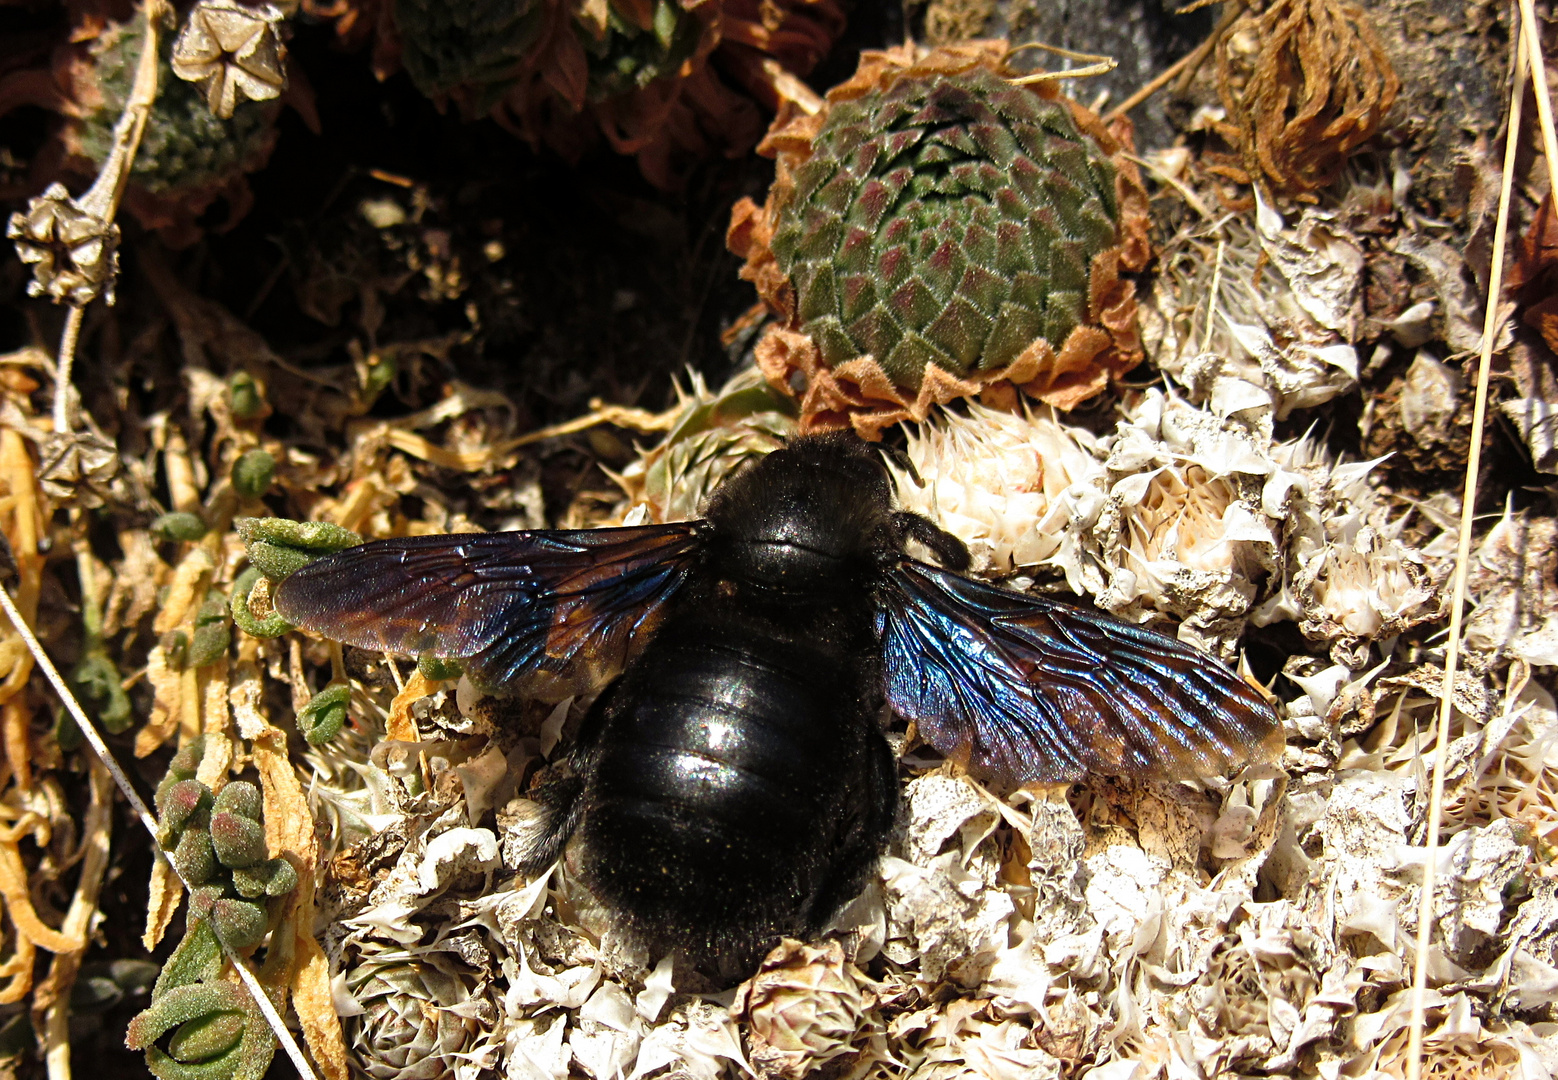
{"points": [[1283, 317], [1004, 484], [1349, 579], [1514, 577], [1184, 530], [412, 1023], [233, 51], [74, 253], [803, 1008]]}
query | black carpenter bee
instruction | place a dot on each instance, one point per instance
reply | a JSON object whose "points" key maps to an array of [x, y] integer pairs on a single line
{"points": [[732, 783]]}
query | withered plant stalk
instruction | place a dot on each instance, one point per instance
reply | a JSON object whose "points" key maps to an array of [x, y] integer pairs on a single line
{"points": [[1425, 908]]}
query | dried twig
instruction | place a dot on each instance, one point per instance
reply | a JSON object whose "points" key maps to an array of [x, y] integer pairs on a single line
{"points": [[1425, 911], [1097, 64], [1544, 101], [101, 200], [1185, 67]]}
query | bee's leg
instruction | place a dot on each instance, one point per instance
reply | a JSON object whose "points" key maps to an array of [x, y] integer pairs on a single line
{"points": [[864, 838], [948, 549], [542, 833]]}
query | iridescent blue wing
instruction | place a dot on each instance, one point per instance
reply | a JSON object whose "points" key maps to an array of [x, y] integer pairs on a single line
{"points": [[543, 614], [1022, 688]]}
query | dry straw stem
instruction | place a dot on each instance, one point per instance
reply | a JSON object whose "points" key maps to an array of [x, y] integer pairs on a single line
{"points": [[99, 747], [102, 198], [1320, 87], [1544, 104], [1425, 919], [1097, 64], [52, 999]]}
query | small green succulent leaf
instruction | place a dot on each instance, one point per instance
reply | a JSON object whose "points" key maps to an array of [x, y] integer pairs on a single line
{"points": [[179, 525], [272, 625], [198, 958], [283, 878], [181, 804], [279, 546], [100, 688], [239, 924], [253, 472], [209, 644], [325, 714], [271, 878], [439, 668], [243, 393], [240, 797], [195, 857], [239, 841], [206, 1037], [202, 1017]]}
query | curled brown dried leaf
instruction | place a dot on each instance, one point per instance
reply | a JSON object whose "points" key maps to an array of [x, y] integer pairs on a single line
{"points": [[1315, 87]]}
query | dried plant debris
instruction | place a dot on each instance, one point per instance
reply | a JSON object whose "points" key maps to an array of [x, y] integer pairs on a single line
{"points": [[1008, 935], [937, 231], [654, 77], [1011, 934], [1305, 83], [354, 824], [202, 136], [1254, 314]]}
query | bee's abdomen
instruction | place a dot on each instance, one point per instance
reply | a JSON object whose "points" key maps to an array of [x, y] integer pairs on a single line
{"points": [[743, 773]]}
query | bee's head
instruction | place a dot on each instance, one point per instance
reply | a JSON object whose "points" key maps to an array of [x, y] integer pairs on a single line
{"points": [[818, 510]]}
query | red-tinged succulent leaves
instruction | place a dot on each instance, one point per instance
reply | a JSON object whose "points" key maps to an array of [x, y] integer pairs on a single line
{"points": [[938, 231], [239, 841], [179, 804]]}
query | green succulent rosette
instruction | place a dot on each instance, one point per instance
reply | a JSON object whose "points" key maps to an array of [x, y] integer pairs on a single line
{"points": [[939, 230]]}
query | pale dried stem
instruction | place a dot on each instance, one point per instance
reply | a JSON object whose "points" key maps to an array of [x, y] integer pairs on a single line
{"points": [[53, 997], [67, 358], [1097, 64], [102, 198], [1191, 198], [1211, 299], [183, 492], [1544, 101], [99, 747], [1458, 588]]}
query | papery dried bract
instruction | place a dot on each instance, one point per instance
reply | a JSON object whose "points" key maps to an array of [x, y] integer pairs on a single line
{"points": [[233, 52], [1006, 484], [803, 1009]]}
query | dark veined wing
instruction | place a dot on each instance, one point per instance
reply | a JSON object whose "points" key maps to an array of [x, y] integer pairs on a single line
{"points": [[1023, 688], [545, 614]]}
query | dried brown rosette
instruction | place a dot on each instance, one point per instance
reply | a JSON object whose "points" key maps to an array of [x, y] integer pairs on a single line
{"points": [[938, 231], [1305, 83]]}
